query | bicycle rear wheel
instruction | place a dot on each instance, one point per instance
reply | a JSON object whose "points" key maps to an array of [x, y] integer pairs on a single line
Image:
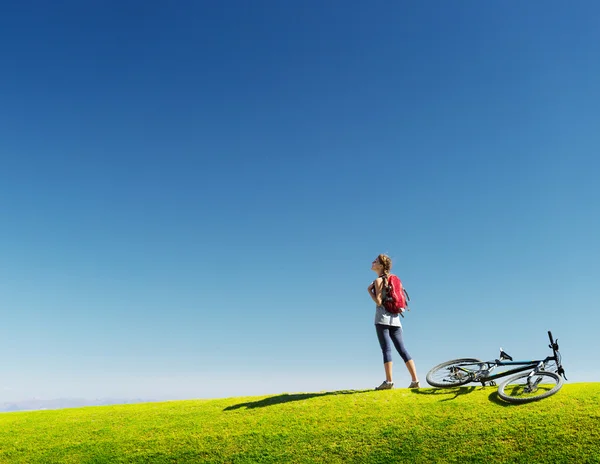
{"points": [[454, 373], [527, 386]]}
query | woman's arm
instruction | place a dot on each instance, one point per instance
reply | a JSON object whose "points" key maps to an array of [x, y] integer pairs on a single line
{"points": [[375, 290], [371, 290]]}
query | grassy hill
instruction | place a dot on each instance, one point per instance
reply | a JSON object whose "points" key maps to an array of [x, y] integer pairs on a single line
{"points": [[468, 424]]}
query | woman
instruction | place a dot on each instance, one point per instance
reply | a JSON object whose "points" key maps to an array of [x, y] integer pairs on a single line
{"points": [[388, 326]]}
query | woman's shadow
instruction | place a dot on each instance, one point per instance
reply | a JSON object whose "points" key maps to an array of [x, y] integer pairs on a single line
{"points": [[287, 398]]}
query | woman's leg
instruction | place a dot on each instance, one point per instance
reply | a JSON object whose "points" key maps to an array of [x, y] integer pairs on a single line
{"points": [[396, 335], [412, 370], [383, 335], [388, 371]]}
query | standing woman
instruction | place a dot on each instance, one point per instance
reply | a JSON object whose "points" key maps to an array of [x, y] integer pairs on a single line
{"points": [[388, 327]]}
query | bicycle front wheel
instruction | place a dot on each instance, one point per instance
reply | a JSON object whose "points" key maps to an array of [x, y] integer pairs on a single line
{"points": [[454, 373], [527, 386]]}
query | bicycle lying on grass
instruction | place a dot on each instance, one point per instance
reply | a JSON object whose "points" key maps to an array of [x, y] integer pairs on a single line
{"points": [[535, 379]]}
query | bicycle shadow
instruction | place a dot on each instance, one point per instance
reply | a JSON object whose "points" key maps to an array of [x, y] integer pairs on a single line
{"points": [[494, 398], [455, 392], [287, 398]]}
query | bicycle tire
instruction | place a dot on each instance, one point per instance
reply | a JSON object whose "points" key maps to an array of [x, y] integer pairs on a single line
{"points": [[514, 389], [442, 377]]}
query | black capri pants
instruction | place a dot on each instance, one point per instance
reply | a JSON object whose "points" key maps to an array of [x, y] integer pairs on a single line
{"points": [[387, 335]]}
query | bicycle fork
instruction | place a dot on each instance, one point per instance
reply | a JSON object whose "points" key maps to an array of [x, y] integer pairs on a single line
{"points": [[532, 385]]}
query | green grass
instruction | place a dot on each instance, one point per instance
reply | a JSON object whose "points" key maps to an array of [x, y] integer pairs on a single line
{"points": [[468, 424]]}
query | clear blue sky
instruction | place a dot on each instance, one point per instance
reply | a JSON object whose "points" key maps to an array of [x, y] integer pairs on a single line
{"points": [[191, 193]]}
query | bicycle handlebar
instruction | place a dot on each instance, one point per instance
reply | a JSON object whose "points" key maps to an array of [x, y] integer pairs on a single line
{"points": [[553, 343], [554, 347]]}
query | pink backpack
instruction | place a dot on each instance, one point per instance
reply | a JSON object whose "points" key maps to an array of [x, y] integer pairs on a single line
{"points": [[396, 300]]}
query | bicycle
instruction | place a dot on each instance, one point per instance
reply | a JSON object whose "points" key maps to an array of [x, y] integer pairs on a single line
{"points": [[535, 379]]}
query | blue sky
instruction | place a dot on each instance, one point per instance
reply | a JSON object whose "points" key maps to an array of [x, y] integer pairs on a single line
{"points": [[191, 193]]}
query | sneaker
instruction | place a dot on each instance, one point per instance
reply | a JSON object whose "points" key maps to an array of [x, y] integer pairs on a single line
{"points": [[385, 386], [414, 385]]}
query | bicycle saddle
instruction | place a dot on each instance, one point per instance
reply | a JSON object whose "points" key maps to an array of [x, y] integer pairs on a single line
{"points": [[504, 355]]}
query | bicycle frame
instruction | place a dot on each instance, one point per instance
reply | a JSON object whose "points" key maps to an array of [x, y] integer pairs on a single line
{"points": [[483, 375], [526, 365]]}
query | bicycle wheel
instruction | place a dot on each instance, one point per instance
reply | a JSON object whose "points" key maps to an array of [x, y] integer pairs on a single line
{"points": [[454, 373], [527, 386]]}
